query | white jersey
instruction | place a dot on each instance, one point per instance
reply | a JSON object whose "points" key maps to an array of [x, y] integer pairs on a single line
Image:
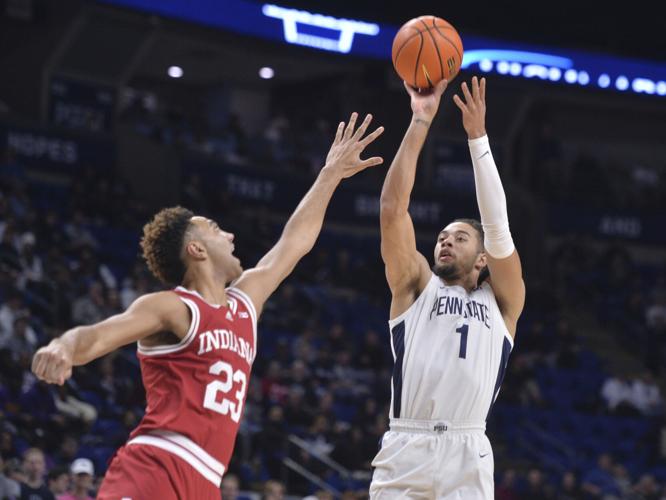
{"points": [[450, 349]]}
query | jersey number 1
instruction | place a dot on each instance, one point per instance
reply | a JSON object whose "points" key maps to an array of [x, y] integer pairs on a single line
{"points": [[225, 407], [463, 340]]}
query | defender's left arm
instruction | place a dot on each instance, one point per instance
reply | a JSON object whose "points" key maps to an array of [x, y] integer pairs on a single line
{"points": [[303, 227], [506, 274]]}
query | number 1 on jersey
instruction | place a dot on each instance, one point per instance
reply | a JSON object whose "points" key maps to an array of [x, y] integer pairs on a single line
{"points": [[463, 340]]}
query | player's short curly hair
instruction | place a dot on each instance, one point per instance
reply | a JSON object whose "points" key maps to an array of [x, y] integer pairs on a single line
{"points": [[162, 244]]}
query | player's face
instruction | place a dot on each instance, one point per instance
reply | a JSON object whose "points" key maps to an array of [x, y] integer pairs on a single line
{"points": [[457, 251], [219, 245]]}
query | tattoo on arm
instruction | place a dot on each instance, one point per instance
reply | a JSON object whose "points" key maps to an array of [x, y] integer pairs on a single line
{"points": [[423, 122]]}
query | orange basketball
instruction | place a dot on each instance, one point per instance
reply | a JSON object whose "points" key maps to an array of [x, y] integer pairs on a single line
{"points": [[427, 49]]}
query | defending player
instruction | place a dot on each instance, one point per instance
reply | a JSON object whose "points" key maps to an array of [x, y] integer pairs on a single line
{"points": [[196, 343], [451, 332]]}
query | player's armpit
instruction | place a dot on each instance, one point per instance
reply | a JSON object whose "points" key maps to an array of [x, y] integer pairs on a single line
{"points": [[506, 279], [149, 314]]}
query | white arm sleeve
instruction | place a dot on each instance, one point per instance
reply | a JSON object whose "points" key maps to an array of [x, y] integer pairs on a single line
{"points": [[491, 199]]}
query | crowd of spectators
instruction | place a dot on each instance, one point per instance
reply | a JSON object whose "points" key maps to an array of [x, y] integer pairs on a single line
{"points": [[598, 181], [323, 370]]}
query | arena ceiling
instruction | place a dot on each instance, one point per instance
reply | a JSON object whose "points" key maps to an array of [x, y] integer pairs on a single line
{"points": [[115, 46]]}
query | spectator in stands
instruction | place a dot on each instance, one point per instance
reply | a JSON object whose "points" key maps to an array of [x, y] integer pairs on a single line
{"points": [[296, 412], [83, 476], [32, 271], [89, 307], [318, 436], [645, 489], [68, 449], [569, 488], [536, 487], [506, 488], [655, 320], [12, 308], [304, 348], [366, 417], [9, 255], [24, 338], [34, 466], [272, 388], [78, 234], [646, 396], [616, 392], [599, 481], [522, 385], [349, 450], [272, 439], [230, 487], [299, 376], [372, 353], [38, 413], [69, 405], [622, 479], [89, 270], [7, 445], [8, 487], [58, 480], [113, 305], [273, 490], [325, 407]]}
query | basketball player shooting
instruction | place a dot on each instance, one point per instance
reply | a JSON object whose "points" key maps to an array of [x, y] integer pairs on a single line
{"points": [[197, 342], [451, 332]]}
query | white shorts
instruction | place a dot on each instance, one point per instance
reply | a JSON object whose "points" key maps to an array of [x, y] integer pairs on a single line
{"points": [[433, 460]]}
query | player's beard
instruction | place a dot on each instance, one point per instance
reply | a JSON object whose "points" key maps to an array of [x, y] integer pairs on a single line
{"points": [[448, 272], [454, 270]]}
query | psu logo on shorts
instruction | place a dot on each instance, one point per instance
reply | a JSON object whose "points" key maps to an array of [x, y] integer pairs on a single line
{"points": [[439, 427]]}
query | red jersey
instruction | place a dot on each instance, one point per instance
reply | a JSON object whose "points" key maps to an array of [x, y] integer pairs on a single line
{"points": [[195, 390]]}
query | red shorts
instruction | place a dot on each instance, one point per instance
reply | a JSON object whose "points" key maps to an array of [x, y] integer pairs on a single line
{"points": [[143, 472]]}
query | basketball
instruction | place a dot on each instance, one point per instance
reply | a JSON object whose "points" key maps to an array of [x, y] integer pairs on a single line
{"points": [[427, 49]]}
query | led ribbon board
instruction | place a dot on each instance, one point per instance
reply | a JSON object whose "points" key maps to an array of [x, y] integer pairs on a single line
{"points": [[367, 39], [569, 67], [343, 30]]}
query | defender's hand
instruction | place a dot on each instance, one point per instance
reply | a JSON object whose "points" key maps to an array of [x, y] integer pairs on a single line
{"points": [[344, 157], [53, 363], [473, 108], [425, 102]]}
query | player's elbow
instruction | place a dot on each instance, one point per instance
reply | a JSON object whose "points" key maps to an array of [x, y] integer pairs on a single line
{"points": [[389, 209]]}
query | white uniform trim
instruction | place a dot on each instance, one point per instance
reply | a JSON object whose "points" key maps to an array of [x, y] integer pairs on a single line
{"points": [[434, 426], [187, 450], [239, 294], [404, 315], [193, 448], [186, 340], [194, 292]]}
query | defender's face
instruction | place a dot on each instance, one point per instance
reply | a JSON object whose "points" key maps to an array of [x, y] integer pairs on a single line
{"points": [[456, 251], [219, 245]]}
